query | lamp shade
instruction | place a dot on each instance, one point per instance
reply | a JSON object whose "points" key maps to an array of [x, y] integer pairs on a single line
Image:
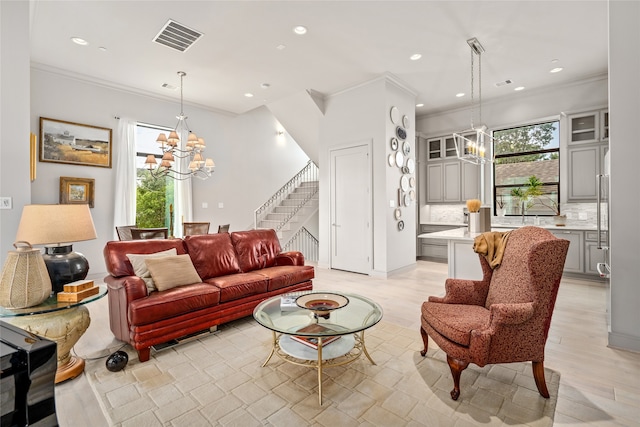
{"points": [[48, 224], [24, 281]]}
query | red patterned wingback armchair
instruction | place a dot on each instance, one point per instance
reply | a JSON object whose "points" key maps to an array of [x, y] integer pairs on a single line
{"points": [[504, 317]]}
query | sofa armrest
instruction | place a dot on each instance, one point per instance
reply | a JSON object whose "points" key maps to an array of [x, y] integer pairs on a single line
{"points": [[290, 258], [122, 291]]}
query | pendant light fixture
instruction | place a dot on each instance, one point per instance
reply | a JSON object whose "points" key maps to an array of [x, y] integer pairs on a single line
{"points": [[474, 145], [175, 153]]}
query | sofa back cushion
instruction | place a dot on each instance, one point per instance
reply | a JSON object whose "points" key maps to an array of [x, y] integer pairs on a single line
{"points": [[115, 253], [212, 255], [256, 249]]}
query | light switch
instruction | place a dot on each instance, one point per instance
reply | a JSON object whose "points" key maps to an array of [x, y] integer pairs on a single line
{"points": [[220, 205], [5, 203], [392, 203], [205, 205]]}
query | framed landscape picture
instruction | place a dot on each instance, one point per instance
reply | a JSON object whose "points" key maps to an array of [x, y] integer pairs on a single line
{"points": [[74, 143], [78, 191]]}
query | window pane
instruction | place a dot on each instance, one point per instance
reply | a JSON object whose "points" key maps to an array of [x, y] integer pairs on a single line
{"points": [[546, 167], [527, 138]]}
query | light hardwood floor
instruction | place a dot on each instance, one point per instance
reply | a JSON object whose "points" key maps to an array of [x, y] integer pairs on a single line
{"points": [[598, 385]]}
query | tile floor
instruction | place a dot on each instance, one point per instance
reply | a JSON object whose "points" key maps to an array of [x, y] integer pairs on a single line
{"points": [[599, 385]]}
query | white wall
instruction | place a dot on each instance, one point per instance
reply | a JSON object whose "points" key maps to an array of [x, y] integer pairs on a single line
{"points": [[624, 112], [361, 115], [14, 117], [251, 163]]}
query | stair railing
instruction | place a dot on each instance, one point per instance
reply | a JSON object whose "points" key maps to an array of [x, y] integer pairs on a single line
{"points": [[308, 174], [303, 241]]}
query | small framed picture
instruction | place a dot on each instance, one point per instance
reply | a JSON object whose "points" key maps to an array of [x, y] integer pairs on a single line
{"points": [[77, 191], [74, 143]]}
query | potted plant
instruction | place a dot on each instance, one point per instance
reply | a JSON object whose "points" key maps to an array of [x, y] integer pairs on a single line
{"points": [[535, 195], [500, 210]]}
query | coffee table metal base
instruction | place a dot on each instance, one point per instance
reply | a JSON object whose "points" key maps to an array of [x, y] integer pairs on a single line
{"points": [[355, 346]]}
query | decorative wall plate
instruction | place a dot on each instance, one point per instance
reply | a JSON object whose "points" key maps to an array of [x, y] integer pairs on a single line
{"points": [[401, 133], [391, 159], [394, 143], [405, 169], [405, 122], [399, 159], [412, 181], [397, 213], [406, 148], [407, 199], [404, 182], [395, 115], [400, 225], [412, 195], [411, 165]]}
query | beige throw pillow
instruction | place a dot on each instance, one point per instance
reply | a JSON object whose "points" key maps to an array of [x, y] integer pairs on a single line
{"points": [[169, 272], [141, 270]]}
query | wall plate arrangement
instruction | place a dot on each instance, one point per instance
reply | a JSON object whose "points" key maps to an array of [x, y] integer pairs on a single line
{"points": [[391, 159], [394, 143], [412, 181], [399, 159], [407, 200], [400, 225], [412, 195], [411, 165], [395, 115], [404, 182], [406, 148], [401, 133], [405, 122], [397, 213]]}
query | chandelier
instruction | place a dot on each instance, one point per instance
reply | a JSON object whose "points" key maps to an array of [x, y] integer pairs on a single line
{"points": [[472, 144], [175, 154]]}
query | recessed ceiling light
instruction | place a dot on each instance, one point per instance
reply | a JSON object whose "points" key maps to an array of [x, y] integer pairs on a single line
{"points": [[415, 57], [419, 105], [80, 41], [265, 85], [519, 88], [102, 49], [556, 70], [553, 61], [281, 47], [459, 95], [300, 29], [248, 95]]}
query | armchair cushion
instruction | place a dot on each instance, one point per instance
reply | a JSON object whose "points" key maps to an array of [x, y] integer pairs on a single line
{"points": [[456, 321]]}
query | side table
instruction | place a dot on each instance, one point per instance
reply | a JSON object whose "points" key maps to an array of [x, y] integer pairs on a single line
{"points": [[61, 322]]}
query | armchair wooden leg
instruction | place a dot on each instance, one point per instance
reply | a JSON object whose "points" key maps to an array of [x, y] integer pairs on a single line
{"points": [[425, 340], [538, 375], [456, 366]]}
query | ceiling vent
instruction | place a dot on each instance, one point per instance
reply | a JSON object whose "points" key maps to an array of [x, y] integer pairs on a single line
{"points": [[177, 36], [503, 83]]}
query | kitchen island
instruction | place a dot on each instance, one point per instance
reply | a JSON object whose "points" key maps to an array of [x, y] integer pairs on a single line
{"points": [[463, 262]]}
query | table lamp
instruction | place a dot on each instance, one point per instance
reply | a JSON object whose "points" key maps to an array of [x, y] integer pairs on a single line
{"points": [[59, 225]]}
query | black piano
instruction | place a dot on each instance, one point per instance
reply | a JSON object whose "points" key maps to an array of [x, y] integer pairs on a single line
{"points": [[27, 378]]}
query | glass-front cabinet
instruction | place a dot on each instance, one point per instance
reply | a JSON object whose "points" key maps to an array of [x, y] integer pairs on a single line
{"points": [[592, 126], [441, 148]]}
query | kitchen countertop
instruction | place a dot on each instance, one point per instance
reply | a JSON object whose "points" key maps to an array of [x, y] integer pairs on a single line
{"points": [[463, 232], [448, 224]]}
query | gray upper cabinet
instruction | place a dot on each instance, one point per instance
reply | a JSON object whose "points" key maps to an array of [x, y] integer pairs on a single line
{"points": [[443, 182], [470, 181], [441, 148]]}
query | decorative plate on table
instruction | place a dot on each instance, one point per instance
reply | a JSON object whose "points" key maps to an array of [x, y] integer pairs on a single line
{"points": [[322, 304]]}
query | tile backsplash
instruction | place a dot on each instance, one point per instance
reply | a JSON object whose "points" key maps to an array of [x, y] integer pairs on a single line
{"points": [[578, 214]]}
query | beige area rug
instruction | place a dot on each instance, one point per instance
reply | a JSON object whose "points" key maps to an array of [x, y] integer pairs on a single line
{"points": [[218, 380]]}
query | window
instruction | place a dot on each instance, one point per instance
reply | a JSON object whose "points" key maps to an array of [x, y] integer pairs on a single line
{"points": [[527, 169], [153, 196]]}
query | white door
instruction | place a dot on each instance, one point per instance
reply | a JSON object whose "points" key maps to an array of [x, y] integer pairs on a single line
{"points": [[351, 209]]}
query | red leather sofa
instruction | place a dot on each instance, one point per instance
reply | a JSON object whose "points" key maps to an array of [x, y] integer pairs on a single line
{"points": [[238, 271]]}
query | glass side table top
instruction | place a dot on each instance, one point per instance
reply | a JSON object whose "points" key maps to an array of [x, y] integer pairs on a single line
{"points": [[359, 314], [51, 304]]}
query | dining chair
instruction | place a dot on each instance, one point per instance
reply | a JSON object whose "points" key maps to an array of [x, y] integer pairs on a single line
{"points": [[223, 228], [149, 233], [124, 232], [193, 228]]}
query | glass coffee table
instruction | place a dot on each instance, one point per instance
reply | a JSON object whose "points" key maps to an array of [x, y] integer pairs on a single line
{"points": [[322, 329]]}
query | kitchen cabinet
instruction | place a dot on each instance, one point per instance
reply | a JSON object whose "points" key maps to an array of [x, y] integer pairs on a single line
{"points": [[441, 148], [443, 182], [434, 249], [584, 163], [588, 127], [574, 261], [470, 181]]}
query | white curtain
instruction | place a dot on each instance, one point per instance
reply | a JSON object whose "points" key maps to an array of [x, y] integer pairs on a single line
{"points": [[182, 209], [124, 206]]}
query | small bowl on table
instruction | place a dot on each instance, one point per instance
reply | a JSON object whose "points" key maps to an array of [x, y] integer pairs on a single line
{"points": [[322, 304]]}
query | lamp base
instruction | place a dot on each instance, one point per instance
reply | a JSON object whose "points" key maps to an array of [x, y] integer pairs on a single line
{"points": [[64, 265]]}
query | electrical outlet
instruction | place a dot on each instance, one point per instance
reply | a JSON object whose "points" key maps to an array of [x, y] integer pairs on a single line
{"points": [[205, 205], [5, 203], [220, 205]]}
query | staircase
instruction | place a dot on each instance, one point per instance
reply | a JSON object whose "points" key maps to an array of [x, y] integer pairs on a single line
{"points": [[290, 207]]}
